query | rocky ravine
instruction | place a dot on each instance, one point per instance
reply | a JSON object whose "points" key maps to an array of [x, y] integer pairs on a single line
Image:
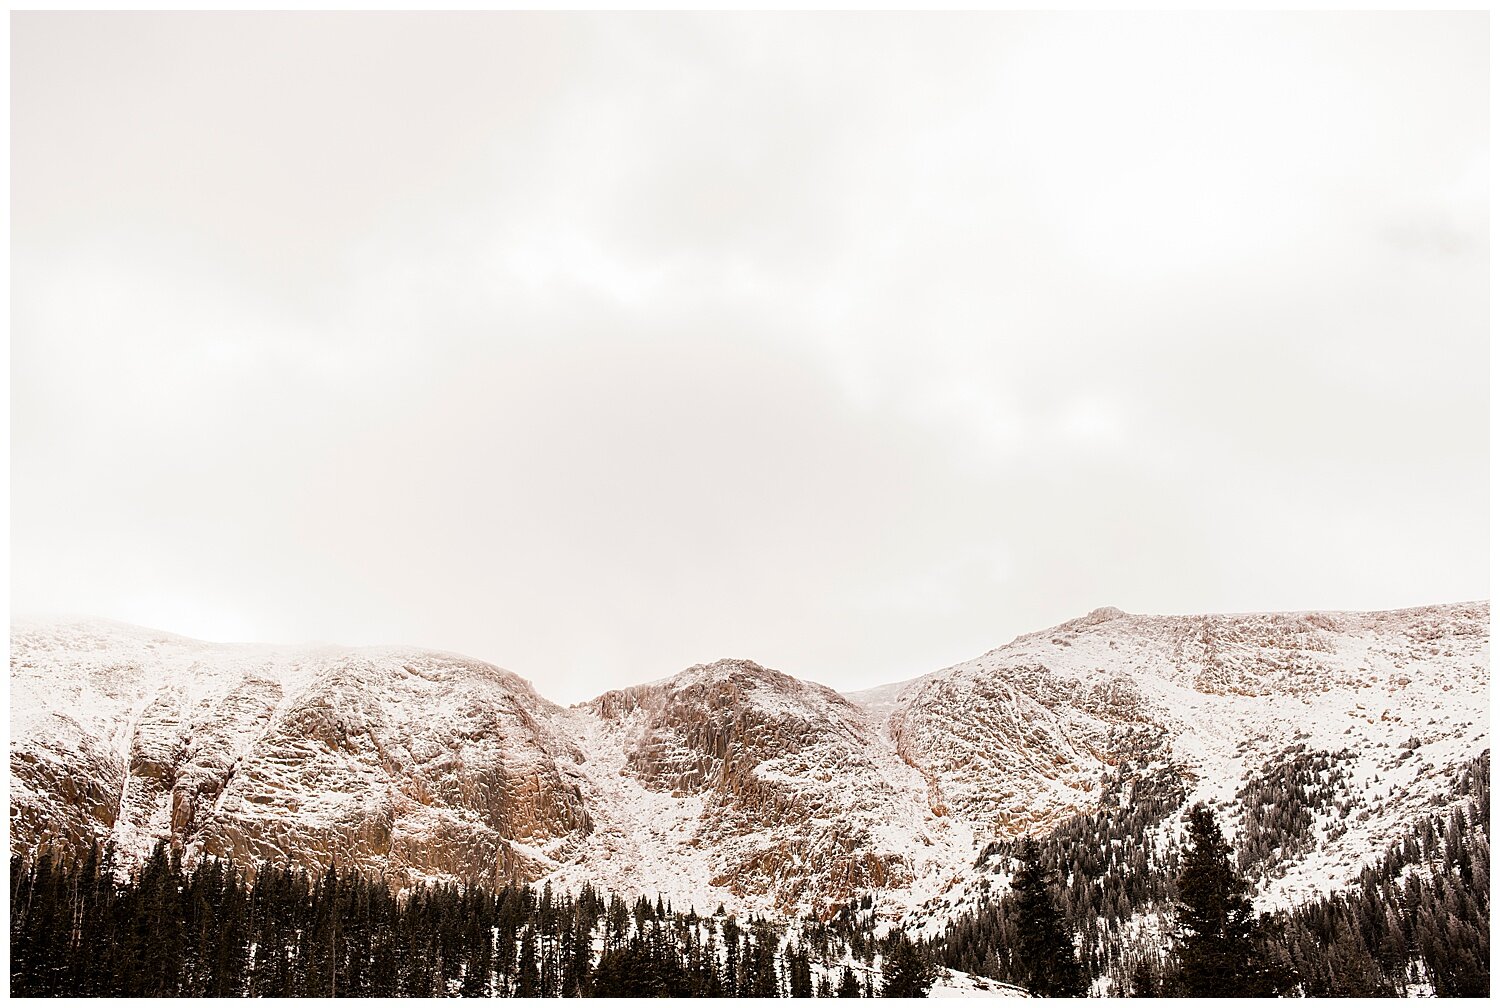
{"points": [[730, 782]]}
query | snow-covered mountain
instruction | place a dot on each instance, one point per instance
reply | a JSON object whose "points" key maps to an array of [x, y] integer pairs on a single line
{"points": [[731, 783], [734, 783], [1388, 707], [408, 764]]}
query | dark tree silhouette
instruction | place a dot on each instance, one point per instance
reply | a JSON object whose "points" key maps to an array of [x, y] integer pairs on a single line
{"points": [[1048, 962], [906, 971], [1216, 952]]}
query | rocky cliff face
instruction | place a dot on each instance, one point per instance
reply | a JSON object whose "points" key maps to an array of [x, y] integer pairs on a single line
{"points": [[407, 764], [737, 784], [796, 800]]}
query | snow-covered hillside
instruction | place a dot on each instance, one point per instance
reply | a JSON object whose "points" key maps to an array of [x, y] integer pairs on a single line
{"points": [[409, 764], [731, 783], [734, 783], [1022, 737]]}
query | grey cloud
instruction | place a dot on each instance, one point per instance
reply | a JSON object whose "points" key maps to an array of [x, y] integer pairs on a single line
{"points": [[598, 345]]}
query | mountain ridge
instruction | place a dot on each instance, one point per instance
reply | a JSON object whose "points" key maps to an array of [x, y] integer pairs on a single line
{"points": [[728, 781]]}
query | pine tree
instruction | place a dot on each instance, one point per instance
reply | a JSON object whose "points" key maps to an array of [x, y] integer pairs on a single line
{"points": [[1045, 957], [1215, 943], [905, 971], [640, 970], [799, 972], [761, 974], [579, 956], [1143, 983], [731, 981], [529, 974]]}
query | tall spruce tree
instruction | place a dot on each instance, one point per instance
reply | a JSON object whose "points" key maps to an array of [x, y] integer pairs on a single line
{"points": [[799, 972], [1216, 952], [1045, 958], [905, 970]]}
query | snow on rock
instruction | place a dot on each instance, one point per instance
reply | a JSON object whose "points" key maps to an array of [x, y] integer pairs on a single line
{"points": [[1017, 740], [732, 783], [406, 764], [778, 793]]}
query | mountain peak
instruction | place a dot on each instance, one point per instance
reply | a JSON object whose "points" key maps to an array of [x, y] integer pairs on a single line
{"points": [[1104, 614], [726, 667]]}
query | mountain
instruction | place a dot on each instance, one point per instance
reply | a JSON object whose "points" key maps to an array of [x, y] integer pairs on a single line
{"points": [[1319, 736], [407, 764], [732, 782], [1390, 707]]}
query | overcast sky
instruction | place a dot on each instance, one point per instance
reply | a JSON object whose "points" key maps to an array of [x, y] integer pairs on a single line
{"points": [[599, 346]]}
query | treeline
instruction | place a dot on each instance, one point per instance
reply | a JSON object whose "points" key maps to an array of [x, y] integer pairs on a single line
{"points": [[1418, 922], [1278, 802], [169, 931]]}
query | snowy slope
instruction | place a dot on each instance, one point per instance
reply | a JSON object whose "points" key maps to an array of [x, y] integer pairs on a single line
{"points": [[409, 764], [1020, 738], [731, 783]]}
